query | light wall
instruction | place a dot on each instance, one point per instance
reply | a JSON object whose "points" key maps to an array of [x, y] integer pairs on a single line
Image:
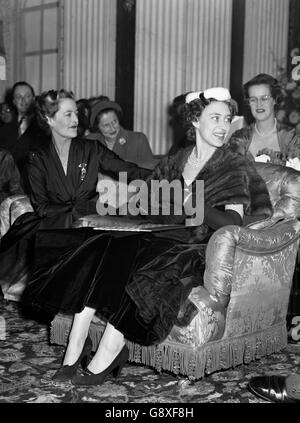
{"points": [[266, 37], [89, 47], [181, 45], [86, 45], [7, 15]]}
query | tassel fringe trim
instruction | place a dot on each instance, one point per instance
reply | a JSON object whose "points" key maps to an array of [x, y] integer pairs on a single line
{"points": [[187, 361]]}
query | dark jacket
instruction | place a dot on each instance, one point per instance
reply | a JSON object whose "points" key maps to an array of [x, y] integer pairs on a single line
{"points": [[20, 147], [63, 198]]}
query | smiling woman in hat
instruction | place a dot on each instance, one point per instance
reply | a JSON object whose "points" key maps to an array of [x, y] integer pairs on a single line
{"points": [[129, 145]]}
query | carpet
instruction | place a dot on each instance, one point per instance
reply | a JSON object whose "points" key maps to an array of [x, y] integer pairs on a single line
{"points": [[28, 361]]}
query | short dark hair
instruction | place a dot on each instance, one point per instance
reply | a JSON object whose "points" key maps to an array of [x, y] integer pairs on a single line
{"points": [[264, 79], [48, 104], [19, 84], [191, 112]]}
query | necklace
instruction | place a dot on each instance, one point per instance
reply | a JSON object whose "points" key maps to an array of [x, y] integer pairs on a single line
{"points": [[193, 159], [263, 134]]}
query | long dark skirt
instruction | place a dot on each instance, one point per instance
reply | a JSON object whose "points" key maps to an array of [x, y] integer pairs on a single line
{"points": [[136, 281]]}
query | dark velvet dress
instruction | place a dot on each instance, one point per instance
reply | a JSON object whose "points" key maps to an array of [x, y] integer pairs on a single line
{"points": [[137, 282]]}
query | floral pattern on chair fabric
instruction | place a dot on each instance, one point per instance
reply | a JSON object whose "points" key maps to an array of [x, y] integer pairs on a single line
{"points": [[256, 278], [260, 291], [208, 324]]}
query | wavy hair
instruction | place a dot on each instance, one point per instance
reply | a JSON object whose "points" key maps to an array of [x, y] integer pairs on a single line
{"points": [[191, 112], [262, 79], [47, 105]]}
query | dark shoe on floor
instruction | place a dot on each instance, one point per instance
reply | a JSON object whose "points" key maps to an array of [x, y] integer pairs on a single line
{"points": [[115, 368], [273, 388], [65, 373]]}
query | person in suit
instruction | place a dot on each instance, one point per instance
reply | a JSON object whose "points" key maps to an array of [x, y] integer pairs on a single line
{"points": [[129, 145], [280, 389], [21, 135]]}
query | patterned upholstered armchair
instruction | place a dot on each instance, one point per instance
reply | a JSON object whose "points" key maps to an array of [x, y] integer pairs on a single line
{"points": [[10, 209], [243, 305]]}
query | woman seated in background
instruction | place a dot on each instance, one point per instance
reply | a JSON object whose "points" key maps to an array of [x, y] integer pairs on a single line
{"points": [[129, 145], [265, 135], [134, 281], [61, 178]]}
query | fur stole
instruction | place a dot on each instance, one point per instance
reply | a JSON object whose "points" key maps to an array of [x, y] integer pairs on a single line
{"points": [[229, 176], [240, 141]]}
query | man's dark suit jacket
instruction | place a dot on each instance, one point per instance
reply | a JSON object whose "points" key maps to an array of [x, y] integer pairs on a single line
{"points": [[19, 147]]}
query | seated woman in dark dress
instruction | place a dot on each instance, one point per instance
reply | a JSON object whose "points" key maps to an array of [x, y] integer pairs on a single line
{"points": [[134, 281], [63, 175], [61, 178]]}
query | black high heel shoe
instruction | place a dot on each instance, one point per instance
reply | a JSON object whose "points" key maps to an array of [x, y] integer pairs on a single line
{"points": [[115, 368], [65, 373]]}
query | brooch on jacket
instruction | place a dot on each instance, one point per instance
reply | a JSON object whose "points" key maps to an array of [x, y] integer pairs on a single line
{"points": [[82, 167], [122, 141]]}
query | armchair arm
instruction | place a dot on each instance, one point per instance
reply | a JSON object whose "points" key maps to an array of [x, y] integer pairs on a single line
{"points": [[220, 255], [225, 242], [283, 184], [11, 208]]}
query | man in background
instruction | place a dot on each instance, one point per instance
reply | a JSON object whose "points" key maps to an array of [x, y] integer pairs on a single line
{"points": [[21, 135]]}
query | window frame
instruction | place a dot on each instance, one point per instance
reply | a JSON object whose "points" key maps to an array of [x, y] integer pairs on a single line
{"points": [[41, 52]]}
